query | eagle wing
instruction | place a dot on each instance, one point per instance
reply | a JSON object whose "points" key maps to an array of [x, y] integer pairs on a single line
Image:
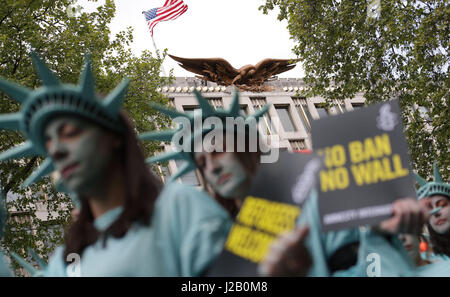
{"points": [[217, 70], [267, 68]]}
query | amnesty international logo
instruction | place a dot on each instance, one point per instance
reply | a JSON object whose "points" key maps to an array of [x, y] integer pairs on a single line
{"points": [[259, 222], [386, 120]]}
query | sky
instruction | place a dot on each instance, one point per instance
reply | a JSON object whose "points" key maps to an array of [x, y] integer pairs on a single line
{"points": [[231, 29]]}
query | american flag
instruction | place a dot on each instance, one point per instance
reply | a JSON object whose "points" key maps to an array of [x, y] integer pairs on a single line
{"points": [[171, 10]]}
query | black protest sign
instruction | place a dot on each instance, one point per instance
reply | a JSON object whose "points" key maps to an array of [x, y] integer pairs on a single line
{"points": [[366, 165], [271, 208]]}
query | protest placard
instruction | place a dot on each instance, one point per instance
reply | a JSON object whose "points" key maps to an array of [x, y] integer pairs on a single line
{"points": [[271, 208], [366, 165]]}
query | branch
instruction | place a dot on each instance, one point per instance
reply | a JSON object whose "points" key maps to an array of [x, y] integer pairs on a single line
{"points": [[7, 15], [25, 171]]}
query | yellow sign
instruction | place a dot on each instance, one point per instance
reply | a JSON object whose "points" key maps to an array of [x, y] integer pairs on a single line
{"points": [[371, 161], [257, 225]]}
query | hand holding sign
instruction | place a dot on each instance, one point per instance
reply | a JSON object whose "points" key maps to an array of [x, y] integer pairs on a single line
{"points": [[409, 215]]}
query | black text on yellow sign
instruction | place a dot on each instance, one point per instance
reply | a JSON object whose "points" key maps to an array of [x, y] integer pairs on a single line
{"points": [[372, 161], [258, 224]]}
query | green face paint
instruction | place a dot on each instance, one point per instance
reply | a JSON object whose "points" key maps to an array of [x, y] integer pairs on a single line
{"points": [[224, 172], [440, 220], [80, 151]]}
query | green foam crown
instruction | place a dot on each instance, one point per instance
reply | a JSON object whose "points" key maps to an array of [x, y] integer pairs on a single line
{"points": [[206, 111], [436, 187], [53, 99]]}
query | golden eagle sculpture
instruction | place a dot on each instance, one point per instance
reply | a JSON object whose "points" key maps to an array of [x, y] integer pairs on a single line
{"points": [[248, 77]]}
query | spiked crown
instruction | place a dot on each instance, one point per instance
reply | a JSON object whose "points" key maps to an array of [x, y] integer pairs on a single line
{"points": [[54, 99], [207, 111], [436, 187]]}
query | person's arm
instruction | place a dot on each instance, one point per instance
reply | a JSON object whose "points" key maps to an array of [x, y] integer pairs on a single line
{"points": [[351, 252], [325, 248], [408, 216], [318, 246], [288, 255], [198, 228], [380, 252], [202, 244]]}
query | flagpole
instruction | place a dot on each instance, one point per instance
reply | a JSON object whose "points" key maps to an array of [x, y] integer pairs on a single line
{"points": [[171, 10], [157, 53]]}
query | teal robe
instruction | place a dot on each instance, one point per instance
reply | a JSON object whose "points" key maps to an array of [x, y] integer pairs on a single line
{"points": [[187, 232], [436, 269], [393, 259], [440, 266]]}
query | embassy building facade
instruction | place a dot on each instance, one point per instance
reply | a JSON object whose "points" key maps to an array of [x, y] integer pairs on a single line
{"points": [[288, 119]]}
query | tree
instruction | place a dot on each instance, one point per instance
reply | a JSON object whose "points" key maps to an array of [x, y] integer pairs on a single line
{"points": [[61, 38], [402, 52]]}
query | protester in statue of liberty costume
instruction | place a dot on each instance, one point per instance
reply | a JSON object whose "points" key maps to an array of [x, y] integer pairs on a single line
{"points": [[438, 225], [226, 172], [412, 245], [437, 193], [424, 267], [122, 228], [226, 169], [4, 270], [439, 228]]}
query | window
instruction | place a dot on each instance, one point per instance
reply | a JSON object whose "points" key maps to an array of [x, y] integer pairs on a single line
{"points": [[357, 105], [285, 118], [322, 110], [303, 112], [298, 145], [258, 103], [190, 109], [215, 102], [189, 178], [20, 218]]}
